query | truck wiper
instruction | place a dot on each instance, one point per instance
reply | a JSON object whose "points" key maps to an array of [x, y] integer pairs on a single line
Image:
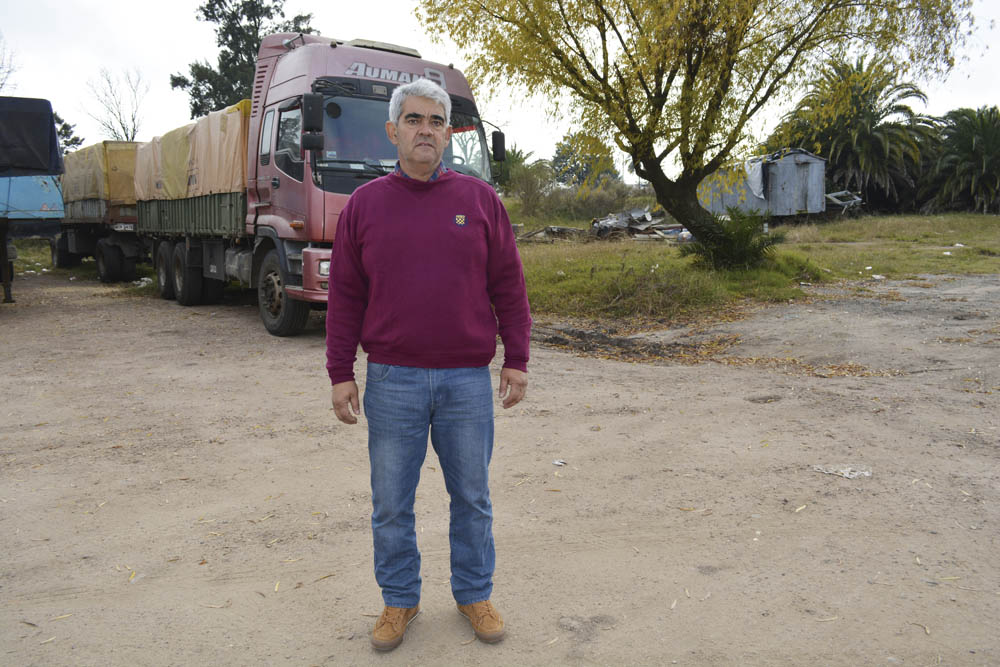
{"points": [[366, 165]]}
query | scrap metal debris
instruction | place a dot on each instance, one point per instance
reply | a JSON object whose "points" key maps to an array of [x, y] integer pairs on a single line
{"points": [[845, 199], [639, 224]]}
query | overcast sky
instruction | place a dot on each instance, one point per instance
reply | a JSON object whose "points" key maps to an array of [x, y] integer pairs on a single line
{"points": [[60, 45]]}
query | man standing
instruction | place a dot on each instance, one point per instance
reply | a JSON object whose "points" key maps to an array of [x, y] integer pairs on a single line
{"points": [[425, 272]]}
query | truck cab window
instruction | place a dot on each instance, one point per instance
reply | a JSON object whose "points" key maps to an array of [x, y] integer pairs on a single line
{"points": [[467, 151], [265, 138], [288, 149]]}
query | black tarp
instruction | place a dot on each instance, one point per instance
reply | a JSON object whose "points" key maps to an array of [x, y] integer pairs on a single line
{"points": [[28, 142]]}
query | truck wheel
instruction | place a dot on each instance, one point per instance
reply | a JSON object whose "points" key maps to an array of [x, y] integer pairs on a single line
{"points": [[109, 261], [165, 269], [128, 269], [281, 316], [187, 280], [62, 258], [212, 290]]}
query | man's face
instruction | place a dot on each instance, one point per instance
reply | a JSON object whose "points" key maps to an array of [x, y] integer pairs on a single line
{"points": [[422, 133]]}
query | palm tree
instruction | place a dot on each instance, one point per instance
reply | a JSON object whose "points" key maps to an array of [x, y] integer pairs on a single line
{"points": [[969, 164], [856, 116], [502, 170]]}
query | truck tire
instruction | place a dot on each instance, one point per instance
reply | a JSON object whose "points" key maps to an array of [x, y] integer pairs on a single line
{"points": [[62, 258], [281, 316], [165, 269], [212, 290], [129, 273], [187, 280], [109, 261]]}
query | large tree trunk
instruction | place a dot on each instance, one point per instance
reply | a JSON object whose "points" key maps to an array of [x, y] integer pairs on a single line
{"points": [[680, 199]]}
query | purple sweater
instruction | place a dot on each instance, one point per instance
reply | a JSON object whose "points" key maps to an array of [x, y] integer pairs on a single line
{"points": [[418, 270]]}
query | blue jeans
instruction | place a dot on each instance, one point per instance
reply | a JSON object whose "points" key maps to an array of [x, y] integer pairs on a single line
{"points": [[456, 405]]}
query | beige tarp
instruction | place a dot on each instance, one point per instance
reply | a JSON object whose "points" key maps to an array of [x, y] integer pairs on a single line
{"points": [[205, 157], [219, 151], [175, 149], [102, 171], [161, 166], [147, 169]]}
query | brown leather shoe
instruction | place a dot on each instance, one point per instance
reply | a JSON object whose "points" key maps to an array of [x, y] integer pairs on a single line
{"points": [[391, 626], [486, 620]]}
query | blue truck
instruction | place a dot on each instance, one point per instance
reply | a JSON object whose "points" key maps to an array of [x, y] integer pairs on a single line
{"points": [[30, 159]]}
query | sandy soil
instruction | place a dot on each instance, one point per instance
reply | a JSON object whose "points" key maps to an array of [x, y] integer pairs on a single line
{"points": [[174, 490]]}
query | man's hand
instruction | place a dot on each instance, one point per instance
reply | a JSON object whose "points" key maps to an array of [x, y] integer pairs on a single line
{"points": [[345, 401], [513, 381]]}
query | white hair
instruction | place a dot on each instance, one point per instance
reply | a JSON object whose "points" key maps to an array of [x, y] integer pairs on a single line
{"points": [[419, 88]]}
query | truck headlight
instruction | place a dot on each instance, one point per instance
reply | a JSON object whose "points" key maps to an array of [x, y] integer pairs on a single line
{"points": [[324, 267]]}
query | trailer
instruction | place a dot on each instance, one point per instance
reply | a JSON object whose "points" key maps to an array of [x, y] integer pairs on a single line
{"points": [[192, 208], [99, 198]]}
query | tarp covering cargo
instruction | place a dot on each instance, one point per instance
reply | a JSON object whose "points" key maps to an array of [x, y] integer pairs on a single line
{"points": [[206, 157], [161, 168], [102, 171], [28, 142]]}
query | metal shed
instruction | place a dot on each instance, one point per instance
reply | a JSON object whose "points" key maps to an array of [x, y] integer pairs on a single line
{"points": [[789, 182]]}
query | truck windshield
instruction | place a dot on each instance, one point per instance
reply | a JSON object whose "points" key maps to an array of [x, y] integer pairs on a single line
{"points": [[356, 143]]}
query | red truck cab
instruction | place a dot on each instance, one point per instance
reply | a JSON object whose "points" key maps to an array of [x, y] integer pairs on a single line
{"points": [[307, 85]]}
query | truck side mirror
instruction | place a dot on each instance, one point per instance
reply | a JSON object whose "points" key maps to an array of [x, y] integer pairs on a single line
{"points": [[312, 141], [499, 149], [312, 112]]}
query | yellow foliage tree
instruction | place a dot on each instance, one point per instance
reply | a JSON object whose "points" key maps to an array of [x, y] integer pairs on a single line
{"points": [[678, 81]]}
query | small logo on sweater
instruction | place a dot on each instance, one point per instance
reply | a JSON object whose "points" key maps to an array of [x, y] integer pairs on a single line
{"points": [[460, 220]]}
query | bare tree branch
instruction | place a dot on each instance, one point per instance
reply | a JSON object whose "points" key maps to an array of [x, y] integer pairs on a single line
{"points": [[120, 101], [7, 64]]}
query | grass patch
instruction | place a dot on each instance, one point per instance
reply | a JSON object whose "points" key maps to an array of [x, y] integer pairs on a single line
{"points": [[35, 255], [32, 253], [650, 283], [901, 246]]}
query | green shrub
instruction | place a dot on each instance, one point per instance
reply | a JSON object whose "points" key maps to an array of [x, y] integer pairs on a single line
{"points": [[742, 245]]}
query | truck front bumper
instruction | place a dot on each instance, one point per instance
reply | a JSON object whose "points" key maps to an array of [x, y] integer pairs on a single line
{"points": [[314, 284]]}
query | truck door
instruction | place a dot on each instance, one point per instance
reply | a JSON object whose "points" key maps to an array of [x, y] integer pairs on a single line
{"points": [[262, 184], [288, 192]]}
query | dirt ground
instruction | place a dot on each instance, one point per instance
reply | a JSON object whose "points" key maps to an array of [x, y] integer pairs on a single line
{"points": [[174, 490]]}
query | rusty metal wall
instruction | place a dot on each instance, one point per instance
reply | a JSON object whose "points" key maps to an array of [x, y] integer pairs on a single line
{"points": [[795, 183]]}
